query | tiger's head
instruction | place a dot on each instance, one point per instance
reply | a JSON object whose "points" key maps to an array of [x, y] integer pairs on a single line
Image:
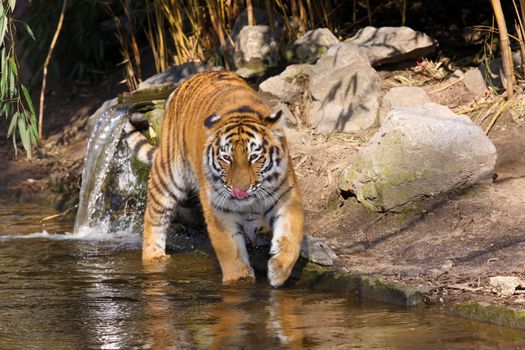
{"points": [[246, 161]]}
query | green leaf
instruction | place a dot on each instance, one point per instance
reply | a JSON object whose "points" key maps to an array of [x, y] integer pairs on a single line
{"points": [[14, 119], [12, 4], [3, 24], [14, 145], [28, 30], [24, 135], [12, 65], [28, 98]]}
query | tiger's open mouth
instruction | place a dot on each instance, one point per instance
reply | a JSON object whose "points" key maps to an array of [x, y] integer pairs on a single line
{"points": [[239, 194]]}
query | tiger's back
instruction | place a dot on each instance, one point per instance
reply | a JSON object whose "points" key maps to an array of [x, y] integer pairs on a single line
{"points": [[220, 139]]}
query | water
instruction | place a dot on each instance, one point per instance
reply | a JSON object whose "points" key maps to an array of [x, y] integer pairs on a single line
{"points": [[110, 187], [88, 289]]}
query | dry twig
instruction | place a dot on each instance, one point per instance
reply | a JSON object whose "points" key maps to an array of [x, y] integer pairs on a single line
{"points": [[46, 64], [505, 46]]}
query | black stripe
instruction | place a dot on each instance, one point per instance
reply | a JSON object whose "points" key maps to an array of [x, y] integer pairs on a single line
{"points": [[276, 201], [129, 133], [226, 210], [150, 154], [272, 221], [139, 145], [244, 109]]}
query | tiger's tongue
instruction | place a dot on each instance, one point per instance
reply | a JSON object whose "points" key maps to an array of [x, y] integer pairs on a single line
{"points": [[239, 194]]}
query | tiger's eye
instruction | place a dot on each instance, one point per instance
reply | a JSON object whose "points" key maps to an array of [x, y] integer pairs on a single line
{"points": [[253, 158], [226, 158]]}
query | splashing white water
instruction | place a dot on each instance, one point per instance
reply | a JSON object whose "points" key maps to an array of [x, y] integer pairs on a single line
{"points": [[84, 233]]}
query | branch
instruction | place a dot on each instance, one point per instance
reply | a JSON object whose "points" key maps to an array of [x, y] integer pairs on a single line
{"points": [[46, 64]]}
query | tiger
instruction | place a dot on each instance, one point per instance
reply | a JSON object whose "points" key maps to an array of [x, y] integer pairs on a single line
{"points": [[220, 140]]}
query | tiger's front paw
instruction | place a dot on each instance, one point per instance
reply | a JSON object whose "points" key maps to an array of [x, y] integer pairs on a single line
{"points": [[151, 256], [279, 270], [240, 275]]}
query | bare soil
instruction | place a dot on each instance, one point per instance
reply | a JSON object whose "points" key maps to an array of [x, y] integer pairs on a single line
{"points": [[448, 246]]}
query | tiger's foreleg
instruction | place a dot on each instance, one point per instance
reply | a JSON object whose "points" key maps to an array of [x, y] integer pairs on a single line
{"points": [[227, 239], [163, 199], [286, 221]]}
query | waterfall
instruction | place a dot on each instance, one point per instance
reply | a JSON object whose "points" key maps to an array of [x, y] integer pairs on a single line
{"points": [[111, 196]]}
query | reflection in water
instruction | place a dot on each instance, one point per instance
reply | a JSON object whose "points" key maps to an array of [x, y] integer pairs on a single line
{"points": [[81, 292]]}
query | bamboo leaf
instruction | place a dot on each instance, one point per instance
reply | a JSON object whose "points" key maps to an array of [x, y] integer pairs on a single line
{"points": [[3, 26], [12, 65], [24, 135], [12, 4], [28, 99], [14, 119], [28, 30]]}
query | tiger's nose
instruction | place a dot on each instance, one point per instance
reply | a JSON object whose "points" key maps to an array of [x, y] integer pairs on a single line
{"points": [[238, 193]]}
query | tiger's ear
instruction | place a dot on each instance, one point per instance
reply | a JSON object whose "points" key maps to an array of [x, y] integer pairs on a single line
{"points": [[274, 119], [212, 120]]}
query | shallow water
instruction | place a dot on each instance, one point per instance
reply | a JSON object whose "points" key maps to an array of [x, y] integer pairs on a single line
{"points": [[85, 290]]}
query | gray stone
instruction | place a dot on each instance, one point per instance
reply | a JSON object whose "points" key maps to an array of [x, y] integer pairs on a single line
{"points": [[494, 74], [475, 81], [292, 72], [317, 251], [418, 152], [255, 50], [392, 44], [402, 96], [283, 86], [310, 46], [506, 285], [177, 74], [345, 90], [280, 88]]}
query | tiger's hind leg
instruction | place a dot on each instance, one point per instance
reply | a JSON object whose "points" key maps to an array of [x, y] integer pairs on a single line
{"points": [[164, 197]]}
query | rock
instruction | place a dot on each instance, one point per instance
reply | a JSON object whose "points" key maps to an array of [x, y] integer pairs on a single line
{"points": [[310, 46], [418, 152], [392, 44], [284, 86], [475, 81], [494, 74], [505, 284], [177, 74], [280, 88], [402, 96], [255, 50], [345, 90], [317, 251]]}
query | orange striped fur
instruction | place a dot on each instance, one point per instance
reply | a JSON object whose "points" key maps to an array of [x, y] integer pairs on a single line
{"points": [[221, 140]]}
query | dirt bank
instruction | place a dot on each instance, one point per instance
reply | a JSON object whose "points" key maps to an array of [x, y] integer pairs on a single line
{"points": [[447, 247]]}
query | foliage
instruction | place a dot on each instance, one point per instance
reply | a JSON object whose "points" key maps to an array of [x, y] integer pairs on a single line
{"points": [[15, 101], [178, 31], [81, 52]]}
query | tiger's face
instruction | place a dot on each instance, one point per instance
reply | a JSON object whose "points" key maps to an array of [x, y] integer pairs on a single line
{"points": [[245, 161]]}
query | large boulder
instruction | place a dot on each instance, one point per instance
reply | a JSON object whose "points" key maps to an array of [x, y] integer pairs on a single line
{"points": [[255, 51], [402, 96], [310, 46], [392, 44], [345, 88], [418, 152], [286, 86]]}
